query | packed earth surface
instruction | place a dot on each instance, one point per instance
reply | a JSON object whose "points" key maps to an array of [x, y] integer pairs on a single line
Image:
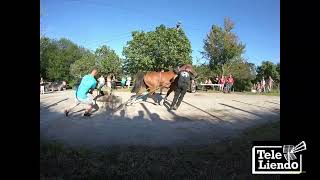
{"points": [[202, 118]]}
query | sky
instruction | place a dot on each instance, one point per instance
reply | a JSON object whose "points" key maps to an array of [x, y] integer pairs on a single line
{"points": [[93, 23]]}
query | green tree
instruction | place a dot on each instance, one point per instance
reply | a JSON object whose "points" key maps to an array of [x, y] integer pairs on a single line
{"points": [[278, 70], [267, 69], [56, 56], [156, 50], [108, 61], [242, 72], [46, 46], [83, 66], [222, 46], [204, 72]]}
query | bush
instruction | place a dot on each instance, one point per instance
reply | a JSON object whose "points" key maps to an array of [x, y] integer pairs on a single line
{"points": [[242, 85], [74, 83]]}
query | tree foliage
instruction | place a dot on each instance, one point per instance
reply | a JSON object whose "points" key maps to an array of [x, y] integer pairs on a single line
{"points": [[108, 61], [204, 72], [221, 46], [240, 70], [267, 69], [278, 70], [56, 56], [83, 66], [156, 50], [64, 60], [161, 49], [243, 73], [45, 48]]}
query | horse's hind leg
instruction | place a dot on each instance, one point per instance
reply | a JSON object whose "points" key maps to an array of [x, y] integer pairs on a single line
{"points": [[153, 96]]}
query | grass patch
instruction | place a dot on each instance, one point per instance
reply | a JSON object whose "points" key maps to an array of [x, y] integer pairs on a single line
{"points": [[273, 93], [230, 159]]}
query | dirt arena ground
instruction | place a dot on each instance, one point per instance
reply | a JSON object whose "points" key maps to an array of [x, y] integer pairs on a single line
{"points": [[201, 119]]}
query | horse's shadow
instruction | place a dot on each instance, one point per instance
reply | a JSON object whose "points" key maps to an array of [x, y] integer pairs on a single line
{"points": [[156, 97]]}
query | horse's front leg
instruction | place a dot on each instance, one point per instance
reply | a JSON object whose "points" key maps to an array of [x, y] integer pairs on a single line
{"points": [[172, 87]]}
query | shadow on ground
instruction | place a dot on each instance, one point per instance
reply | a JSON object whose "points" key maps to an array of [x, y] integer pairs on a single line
{"points": [[112, 145], [112, 126]]}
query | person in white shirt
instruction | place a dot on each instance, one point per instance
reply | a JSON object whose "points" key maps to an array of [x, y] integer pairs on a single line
{"points": [[41, 86], [128, 81], [109, 87], [270, 83], [101, 83], [263, 84]]}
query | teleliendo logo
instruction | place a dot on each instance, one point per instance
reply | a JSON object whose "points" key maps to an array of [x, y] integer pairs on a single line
{"points": [[277, 159]]}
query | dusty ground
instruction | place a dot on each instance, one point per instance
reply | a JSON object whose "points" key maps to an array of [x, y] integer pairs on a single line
{"points": [[201, 119]]}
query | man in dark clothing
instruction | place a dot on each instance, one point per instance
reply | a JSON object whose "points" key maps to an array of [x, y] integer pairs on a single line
{"points": [[183, 82]]}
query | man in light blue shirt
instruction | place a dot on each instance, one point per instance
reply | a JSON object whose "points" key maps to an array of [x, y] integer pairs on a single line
{"points": [[84, 91]]}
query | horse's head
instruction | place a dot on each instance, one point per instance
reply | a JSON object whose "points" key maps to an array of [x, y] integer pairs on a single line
{"points": [[187, 67]]}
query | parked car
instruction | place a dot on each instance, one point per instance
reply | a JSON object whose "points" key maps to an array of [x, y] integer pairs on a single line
{"points": [[57, 86], [47, 86]]}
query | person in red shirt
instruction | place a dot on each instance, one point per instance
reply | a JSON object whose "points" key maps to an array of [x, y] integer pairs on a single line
{"points": [[230, 82]]}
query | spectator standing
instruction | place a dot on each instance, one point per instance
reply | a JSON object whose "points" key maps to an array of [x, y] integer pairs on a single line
{"points": [[101, 83], [123, 82], [109, 79], [263, 85], [128, 81], [41, 86], [216, 80], [230, 82], [259, 87], [270, 84], [221, 82]]}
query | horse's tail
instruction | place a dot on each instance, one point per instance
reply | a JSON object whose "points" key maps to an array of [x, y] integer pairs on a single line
{"points": [[139, 82]]}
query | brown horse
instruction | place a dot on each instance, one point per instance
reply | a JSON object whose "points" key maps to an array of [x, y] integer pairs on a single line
{"points": [[156, 80], [153, 81]]}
